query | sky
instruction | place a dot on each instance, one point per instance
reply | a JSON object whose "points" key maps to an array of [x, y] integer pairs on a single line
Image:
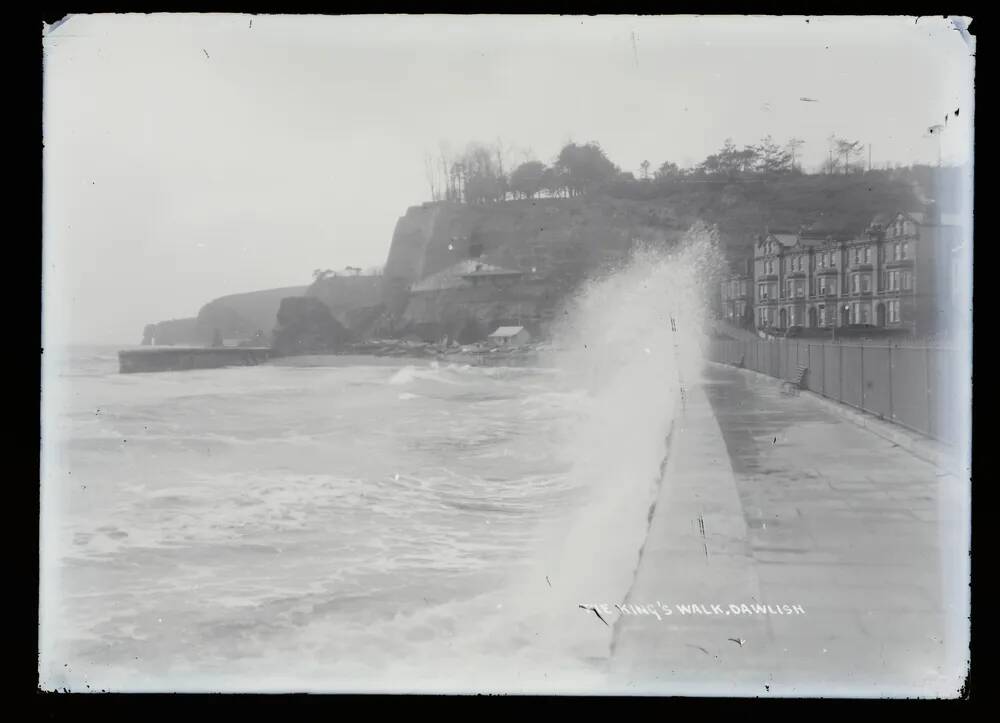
{"points": [[191, 156]]}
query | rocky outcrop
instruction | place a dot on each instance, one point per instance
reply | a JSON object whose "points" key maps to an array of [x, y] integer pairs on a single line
{"points": [[354, 301], [173, 332], [241, 316], [306, 326], [237, 316]]}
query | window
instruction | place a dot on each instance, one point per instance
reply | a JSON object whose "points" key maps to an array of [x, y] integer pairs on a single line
{"points": [[865, 314], [866, 283], [868, 254], [821, 261], [907, 280], [822, 314], [762, 291], [893, 311], [833, 258], [897, 251], [855, 284], [857, 255], [906, 250]]}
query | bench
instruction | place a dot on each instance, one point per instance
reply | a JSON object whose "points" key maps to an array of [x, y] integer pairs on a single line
{"points": [[798, 381]]}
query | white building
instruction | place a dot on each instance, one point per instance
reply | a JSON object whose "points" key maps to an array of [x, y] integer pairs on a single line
{"points": [[510, 336]]}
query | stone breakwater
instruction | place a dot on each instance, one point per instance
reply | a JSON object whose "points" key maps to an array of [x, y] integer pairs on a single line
{"points": [[180, 358]]}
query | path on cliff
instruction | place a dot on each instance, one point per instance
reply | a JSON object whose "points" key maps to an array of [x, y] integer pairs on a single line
{"points": [[776, 500]]}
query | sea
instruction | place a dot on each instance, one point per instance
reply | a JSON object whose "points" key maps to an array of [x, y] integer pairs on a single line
{"points": [[361, 524]]}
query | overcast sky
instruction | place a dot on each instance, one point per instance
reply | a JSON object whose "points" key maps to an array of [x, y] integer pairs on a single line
{"points": [[192, 156]]}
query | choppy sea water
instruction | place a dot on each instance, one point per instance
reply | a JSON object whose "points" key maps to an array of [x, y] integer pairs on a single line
{"points": [[353, 523]]}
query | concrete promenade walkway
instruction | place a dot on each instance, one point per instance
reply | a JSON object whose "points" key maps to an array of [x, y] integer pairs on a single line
{"points": [[771, 499]]}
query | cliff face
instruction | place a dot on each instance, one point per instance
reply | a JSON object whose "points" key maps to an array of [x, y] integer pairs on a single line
{"points": [[173, 331], [531, 252], [243, 315], [354, 301], [306, 326], [238, 316]]}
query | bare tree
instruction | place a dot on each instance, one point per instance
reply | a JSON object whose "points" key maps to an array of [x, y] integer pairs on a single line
{"points": [[430, 172], [848, 150], [793, 146]]}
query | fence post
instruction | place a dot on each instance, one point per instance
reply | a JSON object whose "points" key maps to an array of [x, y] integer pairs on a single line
{"points": [[927, 375], [892, 416], [861, 353], [840, 374], [823, 387]]}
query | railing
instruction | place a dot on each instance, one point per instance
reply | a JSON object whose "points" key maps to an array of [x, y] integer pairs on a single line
{"points": [[916, 387]]}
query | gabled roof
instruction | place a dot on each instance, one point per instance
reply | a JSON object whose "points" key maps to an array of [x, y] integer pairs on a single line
{"points": [[457, 275], [507, 331], [785, 238]]}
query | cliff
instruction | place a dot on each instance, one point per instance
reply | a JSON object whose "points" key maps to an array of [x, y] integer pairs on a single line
{"points": [[237, 316], [306, 326], [532, 253], [354, 301]]}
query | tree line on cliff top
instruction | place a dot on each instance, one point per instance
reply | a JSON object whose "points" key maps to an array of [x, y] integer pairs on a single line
{"points": [[479, 174]]}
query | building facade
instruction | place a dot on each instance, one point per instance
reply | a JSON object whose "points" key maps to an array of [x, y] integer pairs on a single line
{"points": [[895, 274], [737, 295]]}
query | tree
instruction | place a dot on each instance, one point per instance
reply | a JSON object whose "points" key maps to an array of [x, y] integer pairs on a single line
{"points": [[848, 150], [668, 170], [483, 180], [585, 167], [730, 160], [793, 146], [645, 170], [554, 182], [528, 179], [771, 158]]}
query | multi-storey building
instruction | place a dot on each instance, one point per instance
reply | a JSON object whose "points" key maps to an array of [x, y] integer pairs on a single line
{"points": [[737, 294], [895, 274]]}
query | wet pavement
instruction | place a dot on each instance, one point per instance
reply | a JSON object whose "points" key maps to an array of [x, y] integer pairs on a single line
{"points": [[775, 499]]}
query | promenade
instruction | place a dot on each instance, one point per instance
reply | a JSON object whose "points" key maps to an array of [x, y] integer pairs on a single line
{"points": [[781, 500]]}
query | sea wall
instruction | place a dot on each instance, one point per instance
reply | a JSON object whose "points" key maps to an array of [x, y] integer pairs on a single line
{"points": [[183, 358]]}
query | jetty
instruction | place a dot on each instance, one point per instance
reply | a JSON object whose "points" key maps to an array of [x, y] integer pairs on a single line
{"points": [[177, 358]]}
